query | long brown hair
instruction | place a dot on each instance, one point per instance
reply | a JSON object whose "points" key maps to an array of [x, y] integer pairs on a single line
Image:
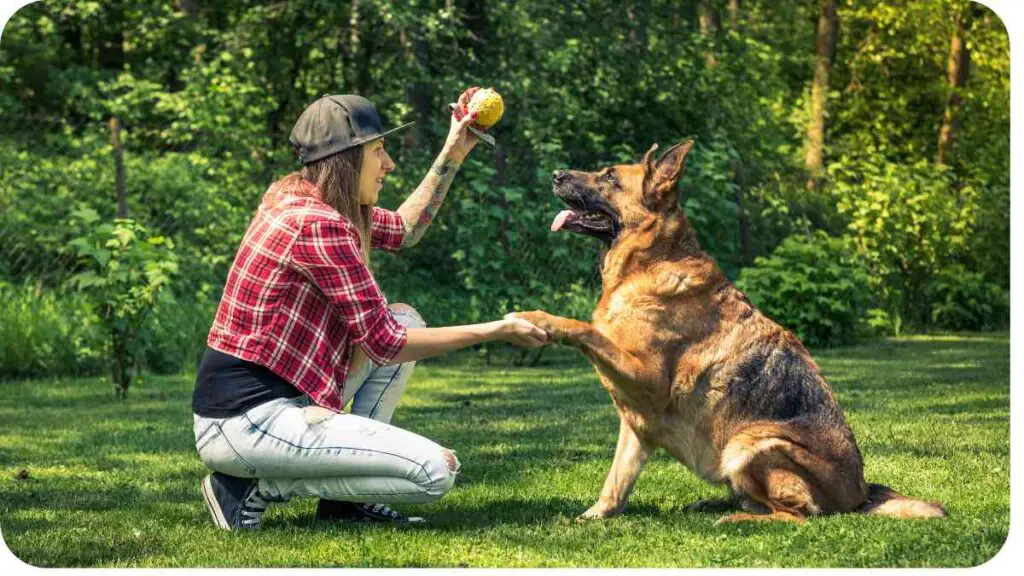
{"points": [[337, 177]]}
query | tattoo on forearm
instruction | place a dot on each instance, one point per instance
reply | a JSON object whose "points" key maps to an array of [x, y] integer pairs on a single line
{"points": [[419, 210]]}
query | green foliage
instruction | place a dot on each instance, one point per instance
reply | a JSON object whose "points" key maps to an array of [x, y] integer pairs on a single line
{"points": [[45, 333], [207, 99], [907, 223], [708, 192], [173, 337], [125, 273], [50, 332], [812, 285], [965, 300]]}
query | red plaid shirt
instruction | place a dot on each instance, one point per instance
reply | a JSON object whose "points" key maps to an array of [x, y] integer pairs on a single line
{"points": [[299, 295]]}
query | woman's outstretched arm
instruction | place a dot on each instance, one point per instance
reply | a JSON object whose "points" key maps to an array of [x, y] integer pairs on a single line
{"points": [[427, 342]]}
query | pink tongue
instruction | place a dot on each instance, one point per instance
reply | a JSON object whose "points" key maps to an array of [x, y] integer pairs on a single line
{"points": [[559, 220]]}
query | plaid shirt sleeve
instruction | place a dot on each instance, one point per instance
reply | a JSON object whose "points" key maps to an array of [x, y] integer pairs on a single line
{"points": [[388, 230], [327, 252]]}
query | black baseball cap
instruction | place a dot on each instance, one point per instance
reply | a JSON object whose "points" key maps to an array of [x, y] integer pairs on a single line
{"points": [[335, 123]]}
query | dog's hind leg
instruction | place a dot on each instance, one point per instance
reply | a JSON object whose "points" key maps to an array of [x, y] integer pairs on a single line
{"points": [[783, 493], [761, 469], [630, 456]]}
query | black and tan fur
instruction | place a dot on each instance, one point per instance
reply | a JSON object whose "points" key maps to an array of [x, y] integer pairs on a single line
{"points": [[694, 368]]}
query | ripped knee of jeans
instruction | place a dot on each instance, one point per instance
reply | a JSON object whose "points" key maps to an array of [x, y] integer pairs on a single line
{"points": [[314, 415], [407, 315], [453, 463]]}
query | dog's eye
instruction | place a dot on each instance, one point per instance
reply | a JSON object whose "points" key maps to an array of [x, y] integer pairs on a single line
{"points": [[609, 176]]}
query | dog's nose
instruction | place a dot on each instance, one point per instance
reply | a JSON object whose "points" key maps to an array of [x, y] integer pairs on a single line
{"points": [[559, 176]]}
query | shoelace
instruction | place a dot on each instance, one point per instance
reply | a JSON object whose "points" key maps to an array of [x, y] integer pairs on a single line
{"points": [[382, 509], [253, 508]]}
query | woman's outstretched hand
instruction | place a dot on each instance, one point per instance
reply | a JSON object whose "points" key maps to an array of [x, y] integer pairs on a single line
{"points": [[460, 140], [521, 333]]}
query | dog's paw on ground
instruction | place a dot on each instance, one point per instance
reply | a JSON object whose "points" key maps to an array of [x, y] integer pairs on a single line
{"points": [[597, 512]]}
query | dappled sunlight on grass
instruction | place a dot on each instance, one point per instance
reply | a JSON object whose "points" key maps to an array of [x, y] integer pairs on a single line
{"points": [[115, 483]]}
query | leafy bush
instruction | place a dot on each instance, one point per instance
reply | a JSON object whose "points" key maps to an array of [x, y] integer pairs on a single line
{"points": [[908, 221], [126, 273], [812, 285], [173, 339], [708, 192], [965, 300], [46, 333]]}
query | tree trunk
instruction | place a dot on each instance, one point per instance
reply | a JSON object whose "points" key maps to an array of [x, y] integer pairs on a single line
{"points": [[477, 27], [956, 77], [111, 49], [72, 35], [636, 14], [828, 24], [115, 137], [190, 7], [295, 52], [174, 82], [710, 23], [744, 225], [119, 370], [368, 46], [734, 15], [419, 89], [350, 74]]}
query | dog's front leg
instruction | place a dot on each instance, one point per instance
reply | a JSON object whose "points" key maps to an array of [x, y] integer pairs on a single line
{"points": [[602, 352], [630, 456]]}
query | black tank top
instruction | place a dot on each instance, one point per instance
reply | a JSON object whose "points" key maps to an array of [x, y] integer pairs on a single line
{"points": [[227, 386]]}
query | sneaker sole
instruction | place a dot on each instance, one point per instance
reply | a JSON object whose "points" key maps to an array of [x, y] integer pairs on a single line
{"points": [[212, 505]]}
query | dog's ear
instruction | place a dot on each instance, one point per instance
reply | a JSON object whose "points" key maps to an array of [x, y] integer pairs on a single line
{"points": [[663, 175], [649, 155]]}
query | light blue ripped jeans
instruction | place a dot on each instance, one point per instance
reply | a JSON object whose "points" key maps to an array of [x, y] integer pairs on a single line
{"points": [[296, 448]]}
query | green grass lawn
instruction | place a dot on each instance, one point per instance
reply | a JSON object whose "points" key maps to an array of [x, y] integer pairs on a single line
{"points": [[115, 483]]}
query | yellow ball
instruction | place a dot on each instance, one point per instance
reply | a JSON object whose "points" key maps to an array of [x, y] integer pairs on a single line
{"points": [[490, 106]]}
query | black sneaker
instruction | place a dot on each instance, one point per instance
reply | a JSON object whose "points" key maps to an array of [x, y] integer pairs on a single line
{"points": [[234, 503], [334, 510]]}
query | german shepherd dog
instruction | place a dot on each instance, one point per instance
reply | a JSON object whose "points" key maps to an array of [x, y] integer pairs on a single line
{"points": [[693, 367]]}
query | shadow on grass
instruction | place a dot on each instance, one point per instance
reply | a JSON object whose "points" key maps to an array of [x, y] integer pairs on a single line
{"points": [[43, 493], [481, 515], [111, 462]]}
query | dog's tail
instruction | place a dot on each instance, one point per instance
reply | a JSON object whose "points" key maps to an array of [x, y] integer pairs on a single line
{"points": [[884, 501]]}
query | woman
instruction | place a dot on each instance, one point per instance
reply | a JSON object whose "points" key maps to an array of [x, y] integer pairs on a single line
{"points": [[302, 329]]}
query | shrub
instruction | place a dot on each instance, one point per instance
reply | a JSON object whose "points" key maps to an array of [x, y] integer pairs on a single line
{"points": [[46, 333], [173, 339], [812, 285], [965, 300], [126, 273], [908, 222]]}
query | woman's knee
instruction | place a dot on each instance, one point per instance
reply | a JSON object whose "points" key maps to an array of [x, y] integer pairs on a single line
{"points": [[407, 315], [441, 472]]}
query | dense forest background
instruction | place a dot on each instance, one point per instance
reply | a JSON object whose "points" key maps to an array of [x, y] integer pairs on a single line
{"points": [[851, 170]]}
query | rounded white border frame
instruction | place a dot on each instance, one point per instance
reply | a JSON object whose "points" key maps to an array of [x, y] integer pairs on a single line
{"points": [[1010, 12]]}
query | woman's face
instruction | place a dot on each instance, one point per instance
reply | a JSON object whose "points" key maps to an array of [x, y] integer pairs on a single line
{"points": [[376, 165]]}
